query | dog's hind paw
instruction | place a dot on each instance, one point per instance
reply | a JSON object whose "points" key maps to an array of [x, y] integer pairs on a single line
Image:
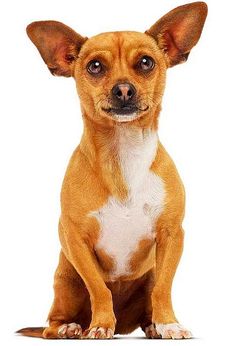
{"points": [[151, 332], [172, 331], [98, 333], [70, 331]]}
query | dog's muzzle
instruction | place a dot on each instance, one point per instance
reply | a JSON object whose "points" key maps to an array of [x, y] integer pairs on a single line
{"points": [[124, 100]]}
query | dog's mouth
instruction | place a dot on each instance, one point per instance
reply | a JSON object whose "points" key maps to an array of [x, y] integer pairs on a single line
{"points": [[125, 112]]}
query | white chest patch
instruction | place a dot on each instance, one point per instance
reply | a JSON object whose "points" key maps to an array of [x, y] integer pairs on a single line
{"points": [[124, 224]]}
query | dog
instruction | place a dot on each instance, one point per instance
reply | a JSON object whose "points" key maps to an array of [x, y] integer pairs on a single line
{"points": [[122, 200]]}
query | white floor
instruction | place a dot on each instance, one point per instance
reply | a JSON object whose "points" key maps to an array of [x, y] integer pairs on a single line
{"points": [[136, 338]]}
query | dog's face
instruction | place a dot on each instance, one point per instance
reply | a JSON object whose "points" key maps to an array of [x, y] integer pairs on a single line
{"points": [[120, 76]]}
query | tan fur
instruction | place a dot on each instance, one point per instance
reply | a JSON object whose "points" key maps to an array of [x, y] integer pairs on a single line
{"points": [[85, 292]]}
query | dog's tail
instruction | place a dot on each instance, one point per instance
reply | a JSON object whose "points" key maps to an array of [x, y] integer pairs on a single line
{"points": [[36, 332]]}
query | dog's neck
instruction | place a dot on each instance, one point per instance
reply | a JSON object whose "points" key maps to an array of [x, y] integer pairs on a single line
{"points": [[121, 153]]}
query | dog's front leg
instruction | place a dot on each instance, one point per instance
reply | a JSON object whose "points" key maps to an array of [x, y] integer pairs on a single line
{"points": [[79, 252], [169, 249]]}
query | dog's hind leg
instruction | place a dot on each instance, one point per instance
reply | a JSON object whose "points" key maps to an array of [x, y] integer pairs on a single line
{"points": [[132, 303], [146, 319], [70, 309]]}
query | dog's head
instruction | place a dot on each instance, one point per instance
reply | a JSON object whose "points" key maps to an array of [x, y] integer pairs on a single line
{"points": [[120, 76]]}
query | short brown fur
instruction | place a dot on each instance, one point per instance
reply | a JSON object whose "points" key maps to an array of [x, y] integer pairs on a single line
{"points": [[85, 292]]}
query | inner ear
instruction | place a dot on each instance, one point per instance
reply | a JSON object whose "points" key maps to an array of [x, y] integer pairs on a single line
{"points": [[58, 45], [179, 31]]}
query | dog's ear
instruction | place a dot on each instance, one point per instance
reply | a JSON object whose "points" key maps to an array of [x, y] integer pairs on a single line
{"points": [[58, 45], [179, 30]]}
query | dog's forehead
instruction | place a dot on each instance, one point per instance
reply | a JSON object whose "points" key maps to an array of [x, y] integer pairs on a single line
{"points": [[119, 41]]}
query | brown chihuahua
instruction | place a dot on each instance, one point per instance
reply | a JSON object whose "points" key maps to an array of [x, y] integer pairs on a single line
{"points": [[122, 200]]}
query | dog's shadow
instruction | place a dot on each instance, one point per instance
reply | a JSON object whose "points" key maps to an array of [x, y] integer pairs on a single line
{"points": [[126, 338]]}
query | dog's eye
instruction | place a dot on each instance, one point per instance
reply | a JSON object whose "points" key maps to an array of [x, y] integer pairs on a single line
{"points": [[146, 63], [94, 67]]}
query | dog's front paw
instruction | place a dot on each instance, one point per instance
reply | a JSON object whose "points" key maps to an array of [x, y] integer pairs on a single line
{"points": [[98, 333], [172, 331]]}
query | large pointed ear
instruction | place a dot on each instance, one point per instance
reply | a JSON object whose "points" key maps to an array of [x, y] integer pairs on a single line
{"points": [[179, 30], [58, 45]]}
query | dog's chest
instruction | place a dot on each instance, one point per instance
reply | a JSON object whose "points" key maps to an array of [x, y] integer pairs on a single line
{"points": [[124, 224]]}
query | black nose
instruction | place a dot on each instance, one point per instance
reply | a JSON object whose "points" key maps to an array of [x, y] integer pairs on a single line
{"points": [[123, 92]]}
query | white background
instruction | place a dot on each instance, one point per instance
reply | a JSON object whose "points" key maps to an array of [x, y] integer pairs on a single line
{"points": [[41, 125]]}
